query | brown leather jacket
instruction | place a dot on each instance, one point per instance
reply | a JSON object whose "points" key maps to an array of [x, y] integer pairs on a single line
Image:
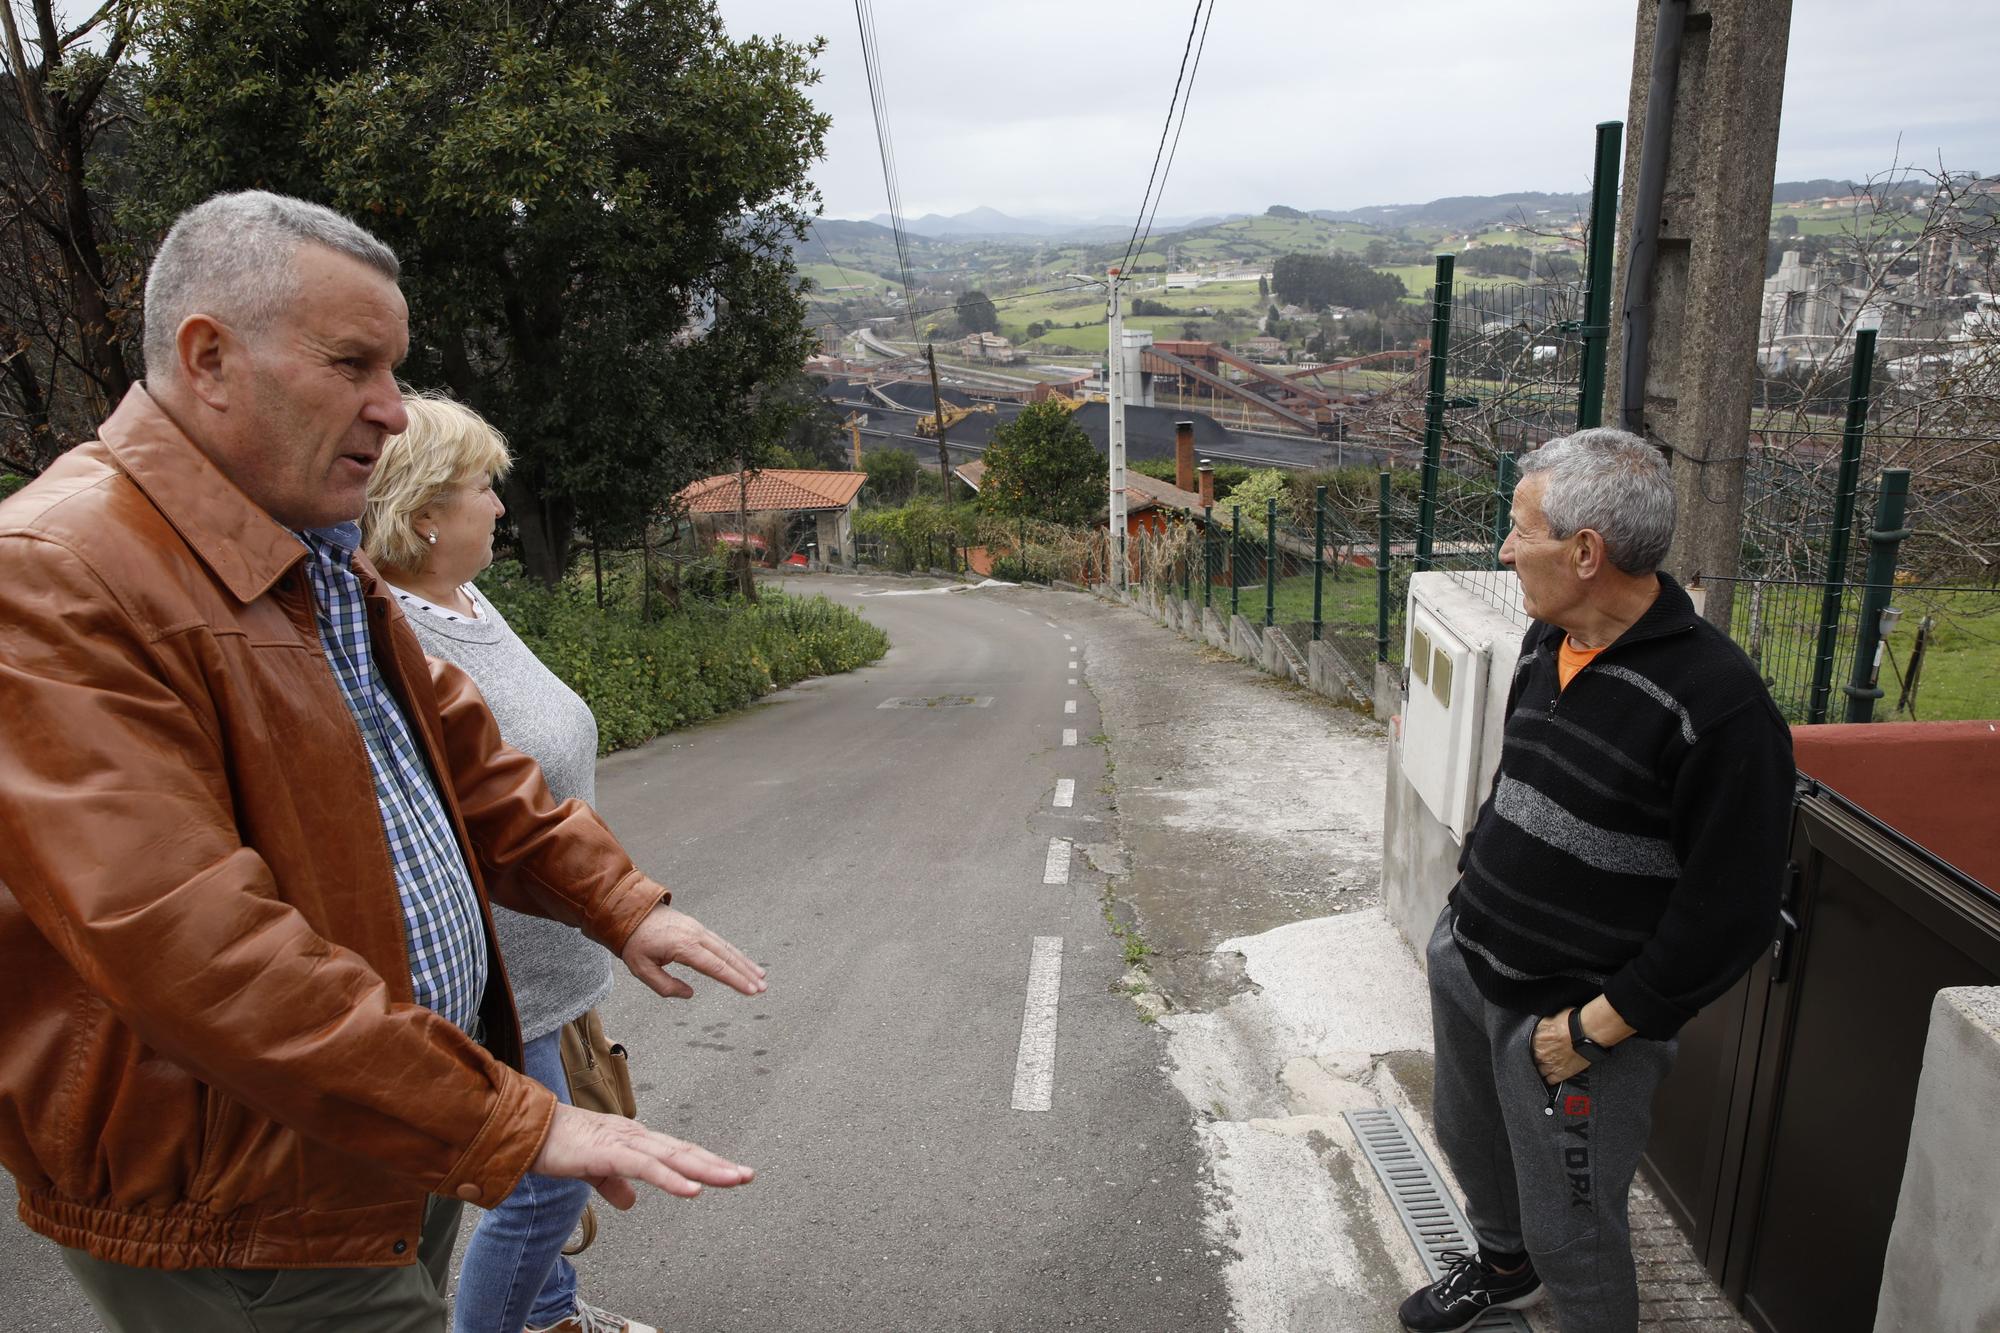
{"points": [[208, 1051]]}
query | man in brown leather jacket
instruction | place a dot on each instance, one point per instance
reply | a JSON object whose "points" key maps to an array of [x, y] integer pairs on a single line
{"points": [[258, 1045]]}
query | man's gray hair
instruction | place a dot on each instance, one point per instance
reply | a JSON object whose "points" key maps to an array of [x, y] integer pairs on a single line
{"points": [[1613, 483], [230, 256]]}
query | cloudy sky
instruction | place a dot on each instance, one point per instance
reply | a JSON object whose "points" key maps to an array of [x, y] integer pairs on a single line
{"points": [[1047, 107]]}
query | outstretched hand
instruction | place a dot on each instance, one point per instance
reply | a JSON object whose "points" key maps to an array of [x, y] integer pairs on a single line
{"points": [[668, 936], [611, 1152]]}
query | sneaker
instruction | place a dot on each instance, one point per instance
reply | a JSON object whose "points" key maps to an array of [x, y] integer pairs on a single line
{"points": [[1467, 1290], [588, 1318]]}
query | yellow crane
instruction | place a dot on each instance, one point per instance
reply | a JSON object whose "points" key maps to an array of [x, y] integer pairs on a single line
{"points": [[927, 424]]}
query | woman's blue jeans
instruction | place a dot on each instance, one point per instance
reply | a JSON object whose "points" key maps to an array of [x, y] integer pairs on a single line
{"points": [[514, 1272]]}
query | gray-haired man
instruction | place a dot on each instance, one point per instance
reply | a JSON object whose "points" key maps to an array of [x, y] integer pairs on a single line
{"points": [[1624, 872], [245, 958]]}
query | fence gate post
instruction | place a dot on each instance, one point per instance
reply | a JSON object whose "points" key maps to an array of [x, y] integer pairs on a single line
{"points": [[1885, 539], [1319, 555], [1207, 555], [1235, 540], [1382, 572], [1434, 407], [1843, 524], [1597, 276], [1270, 562]]}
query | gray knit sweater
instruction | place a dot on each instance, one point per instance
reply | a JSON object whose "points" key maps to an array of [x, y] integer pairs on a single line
{"points": [[556, 972]]}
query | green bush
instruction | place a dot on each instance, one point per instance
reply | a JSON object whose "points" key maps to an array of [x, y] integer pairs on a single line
{"points": [[644, 677]]}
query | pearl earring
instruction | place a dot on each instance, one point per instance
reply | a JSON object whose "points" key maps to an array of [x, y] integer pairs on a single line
{"points": [[431, 537]]}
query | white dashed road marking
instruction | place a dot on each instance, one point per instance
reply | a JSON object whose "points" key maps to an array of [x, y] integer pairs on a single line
{"points": [[1069, 735], [1052, 625], [1072, 680], [1035, 1065], [1065, 793], [1069, 705], [1066, 636], [1072, 666], [1056, 869]]}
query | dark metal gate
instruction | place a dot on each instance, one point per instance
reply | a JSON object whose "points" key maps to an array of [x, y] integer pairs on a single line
{"points": [[1780, 1137]]}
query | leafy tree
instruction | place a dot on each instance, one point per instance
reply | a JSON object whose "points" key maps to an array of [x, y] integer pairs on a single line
{"points": [[1042, 465], [1378, 251], [1787, 225], [892, 474], [1263, 288], [977, 315], [1250, 494], [1271, 318], [1282, 211], [1507, 261], [68, 282], [594, 201], [1317, 281]]}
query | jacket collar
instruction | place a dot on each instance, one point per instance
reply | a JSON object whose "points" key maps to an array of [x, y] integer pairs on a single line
{"points": [[244, 547], [1672, 612]]}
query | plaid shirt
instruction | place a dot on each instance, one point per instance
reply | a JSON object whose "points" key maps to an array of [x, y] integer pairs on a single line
{"points": [[447, 942]]}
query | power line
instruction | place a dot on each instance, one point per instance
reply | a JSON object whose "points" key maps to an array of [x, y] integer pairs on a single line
{"points": [[864, 17], [1153, 175], [1192, 71]]}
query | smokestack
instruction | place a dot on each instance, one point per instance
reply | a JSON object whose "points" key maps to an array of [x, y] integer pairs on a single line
{"points": [[1184, 455], [1207, 483]]}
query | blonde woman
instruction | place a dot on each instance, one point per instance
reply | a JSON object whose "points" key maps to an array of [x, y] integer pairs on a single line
{"points": [[429, 529]]}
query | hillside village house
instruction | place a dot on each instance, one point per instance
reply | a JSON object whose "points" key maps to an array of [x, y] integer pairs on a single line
{"points": [[986, 347], [807, 506]]}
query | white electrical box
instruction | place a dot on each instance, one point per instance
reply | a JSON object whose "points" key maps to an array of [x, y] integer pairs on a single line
{"points": [[1443, 716]]}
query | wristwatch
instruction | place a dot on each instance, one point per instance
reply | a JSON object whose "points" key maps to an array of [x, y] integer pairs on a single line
{"points": [[1580, 1043]]}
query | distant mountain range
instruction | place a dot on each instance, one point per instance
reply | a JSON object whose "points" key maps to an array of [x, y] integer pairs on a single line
{"points": [[1459, 212]]}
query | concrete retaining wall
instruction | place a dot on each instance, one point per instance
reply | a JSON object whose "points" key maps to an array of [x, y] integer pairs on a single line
{"points": [[1944, 1248]]}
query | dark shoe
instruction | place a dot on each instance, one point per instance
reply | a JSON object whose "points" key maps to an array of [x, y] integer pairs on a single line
{"points": [[1467, 1290]]}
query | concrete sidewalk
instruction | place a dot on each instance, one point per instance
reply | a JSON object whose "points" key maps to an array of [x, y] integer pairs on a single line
{"points": [[1249, 815]]}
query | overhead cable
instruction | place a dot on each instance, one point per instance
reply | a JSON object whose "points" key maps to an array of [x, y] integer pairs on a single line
{"points": [[1186, 50]]}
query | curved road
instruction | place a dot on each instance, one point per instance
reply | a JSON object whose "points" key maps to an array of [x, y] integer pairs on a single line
{"points": [[891, 865]]}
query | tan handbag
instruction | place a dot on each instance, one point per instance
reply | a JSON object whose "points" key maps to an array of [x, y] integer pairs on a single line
{"points": [[599, 1080]]}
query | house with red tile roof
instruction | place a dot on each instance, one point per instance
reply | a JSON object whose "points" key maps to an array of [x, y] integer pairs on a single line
{"points": [[820, 504]]}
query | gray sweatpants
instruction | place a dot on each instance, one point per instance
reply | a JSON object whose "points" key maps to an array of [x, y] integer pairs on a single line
{"points": [[1545, 1170]]}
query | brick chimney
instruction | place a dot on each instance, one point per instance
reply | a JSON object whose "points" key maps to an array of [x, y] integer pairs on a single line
{"points": [[1207, 483], [1184, 455]]}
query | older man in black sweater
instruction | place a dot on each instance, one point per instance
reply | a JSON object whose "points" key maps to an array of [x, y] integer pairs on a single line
{"points": [[1624, 872]]}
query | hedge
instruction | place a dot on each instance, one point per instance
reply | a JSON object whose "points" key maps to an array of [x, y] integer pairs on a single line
{"points": [[642, 677]]}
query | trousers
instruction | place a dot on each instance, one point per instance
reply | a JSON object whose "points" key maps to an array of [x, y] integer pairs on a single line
{"points": [[278, 1300], [1546, 1170]]}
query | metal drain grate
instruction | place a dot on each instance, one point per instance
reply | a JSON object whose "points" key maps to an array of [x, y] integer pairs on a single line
{"points": [[938, 701], [1429, 1213]]}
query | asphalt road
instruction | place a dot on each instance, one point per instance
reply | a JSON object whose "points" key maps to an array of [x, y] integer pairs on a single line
{"points": [[890, 865]]}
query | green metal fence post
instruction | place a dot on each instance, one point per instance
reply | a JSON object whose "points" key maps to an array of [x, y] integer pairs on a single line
{"points": [[1235, 539], [1503, 515], [1319, 555], [1270, 562], [1434, 407], [1187, 584], [1885, 539], [1859, 383], [1597, 277], [1382, 573], [1207, 556]]}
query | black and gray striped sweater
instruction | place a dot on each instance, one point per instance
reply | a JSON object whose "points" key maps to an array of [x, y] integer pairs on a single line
{"points": [[1634, 843]]}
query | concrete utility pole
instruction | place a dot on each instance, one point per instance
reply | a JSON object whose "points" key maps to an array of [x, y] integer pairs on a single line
{"points": [[937, 406], [1116, 367], [1708, 80]]}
